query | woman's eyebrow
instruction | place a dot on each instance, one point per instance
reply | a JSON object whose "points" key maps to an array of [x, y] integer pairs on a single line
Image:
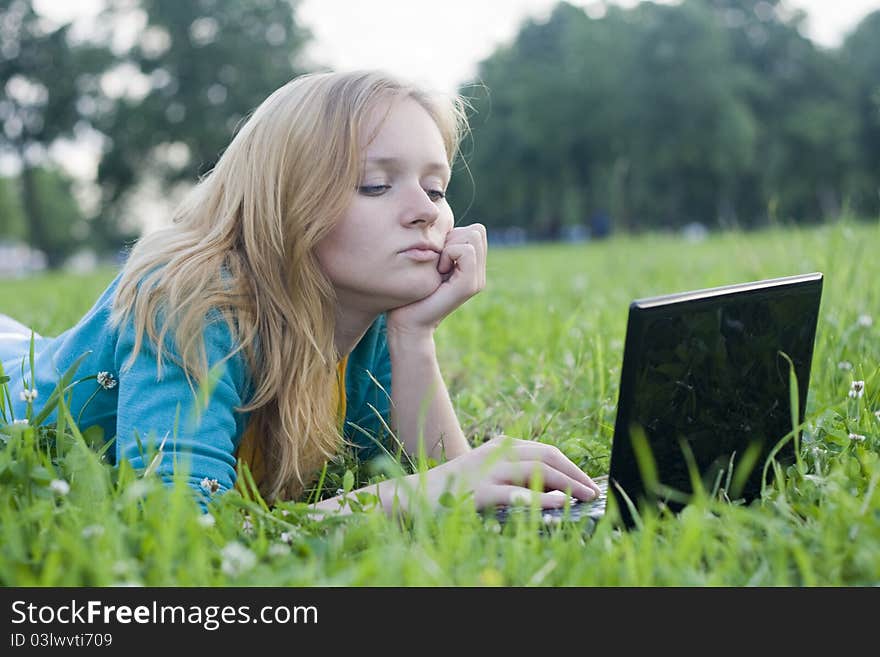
{"points": [[395, 162]]}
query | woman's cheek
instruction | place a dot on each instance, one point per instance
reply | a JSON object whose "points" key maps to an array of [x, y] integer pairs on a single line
{"points": [[450, 224]]}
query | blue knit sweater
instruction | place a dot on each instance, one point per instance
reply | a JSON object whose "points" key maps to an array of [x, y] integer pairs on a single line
{"points": [[141, 403]]}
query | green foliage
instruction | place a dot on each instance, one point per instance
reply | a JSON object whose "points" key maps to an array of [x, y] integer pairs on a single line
{"points": [[536, 355], [210, 63], [12, 223], [716, 111], [61, 215], [48, 81], [861, 55]]}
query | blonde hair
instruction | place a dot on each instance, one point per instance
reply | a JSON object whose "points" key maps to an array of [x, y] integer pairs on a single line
{"points": [[243, 244]]}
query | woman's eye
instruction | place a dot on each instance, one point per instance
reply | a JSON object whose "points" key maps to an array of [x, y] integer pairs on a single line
{"points": [[373, 190], [376, 190]]}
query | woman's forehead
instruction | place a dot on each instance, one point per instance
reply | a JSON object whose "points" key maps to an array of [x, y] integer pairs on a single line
{"points": [[396, 164], [395, 130]]}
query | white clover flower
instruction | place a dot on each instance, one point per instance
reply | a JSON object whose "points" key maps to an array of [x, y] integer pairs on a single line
{"points": [[59, 486], [211, 486], [278, 550], [237, 559], [844, 365], [865, 321], [107, 380], [136, 490], [92, 530], [121, 568], [28, 395], [857, 437], [206, 520], [857, 390], [550, 519], [286, 537], [579, 283]]}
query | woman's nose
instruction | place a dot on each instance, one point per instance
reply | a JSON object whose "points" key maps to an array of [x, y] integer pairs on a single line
{"points": [[421, 209]]}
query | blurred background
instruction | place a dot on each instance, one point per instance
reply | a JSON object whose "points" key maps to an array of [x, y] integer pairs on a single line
{"points": [[589, 118]]}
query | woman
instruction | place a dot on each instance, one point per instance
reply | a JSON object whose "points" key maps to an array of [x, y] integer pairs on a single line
{"points": [[292, 305]]}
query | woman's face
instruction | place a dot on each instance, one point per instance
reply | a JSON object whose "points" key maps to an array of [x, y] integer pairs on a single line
{"points": [[399, 203]]}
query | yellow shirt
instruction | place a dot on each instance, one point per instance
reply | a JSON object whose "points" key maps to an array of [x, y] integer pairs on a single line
{"points": [[249, 449]]}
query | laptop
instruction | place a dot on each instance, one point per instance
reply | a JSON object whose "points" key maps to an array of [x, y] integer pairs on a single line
{"points": [[705, 391]]}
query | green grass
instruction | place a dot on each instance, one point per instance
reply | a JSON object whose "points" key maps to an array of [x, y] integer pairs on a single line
{"points": [[536, 355]]}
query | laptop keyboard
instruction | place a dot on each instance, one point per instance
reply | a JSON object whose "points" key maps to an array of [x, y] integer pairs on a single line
{"points": [[577, 510]]}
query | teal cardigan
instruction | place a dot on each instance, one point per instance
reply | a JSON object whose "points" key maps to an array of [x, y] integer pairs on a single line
{"points": [[136, 401]]}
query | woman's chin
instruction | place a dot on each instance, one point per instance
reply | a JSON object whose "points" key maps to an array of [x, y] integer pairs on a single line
{"points": [[418, 290]]}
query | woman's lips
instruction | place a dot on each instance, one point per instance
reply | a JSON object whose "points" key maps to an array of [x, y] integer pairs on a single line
{"points": [[421, 255]]}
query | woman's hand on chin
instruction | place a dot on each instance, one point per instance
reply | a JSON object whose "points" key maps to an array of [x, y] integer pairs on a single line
{"points": [[462, 266]]}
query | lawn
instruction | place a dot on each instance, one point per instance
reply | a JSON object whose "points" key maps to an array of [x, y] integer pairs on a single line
{"points": [[536, 355]]}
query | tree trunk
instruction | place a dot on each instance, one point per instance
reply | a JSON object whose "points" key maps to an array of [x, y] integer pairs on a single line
{"points": [[38, 234]]}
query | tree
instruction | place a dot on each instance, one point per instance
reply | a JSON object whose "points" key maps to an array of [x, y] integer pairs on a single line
{"points": [[543, 123], [689, 134], [45, 79], [861, 55], [12, 223], [718, 111], [802, 98], [208, 63], [638, 112]]}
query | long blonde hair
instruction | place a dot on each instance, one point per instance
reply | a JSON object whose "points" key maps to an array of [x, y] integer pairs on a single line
{"points": [[243, 244]]}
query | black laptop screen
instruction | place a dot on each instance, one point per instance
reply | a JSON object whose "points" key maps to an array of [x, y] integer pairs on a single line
{"points": [[708, 372]]}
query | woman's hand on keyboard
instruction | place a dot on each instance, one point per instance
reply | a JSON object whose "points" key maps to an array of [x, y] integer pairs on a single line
{"points": [[504, 470]]}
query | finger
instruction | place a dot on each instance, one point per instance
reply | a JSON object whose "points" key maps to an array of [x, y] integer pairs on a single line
{"points": [[516, 495], [445, 264], [530, 450], [461, 249], [464, 259], [481, 229], [525, 472], [508, 495], [482, 250], [475, 235]]}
